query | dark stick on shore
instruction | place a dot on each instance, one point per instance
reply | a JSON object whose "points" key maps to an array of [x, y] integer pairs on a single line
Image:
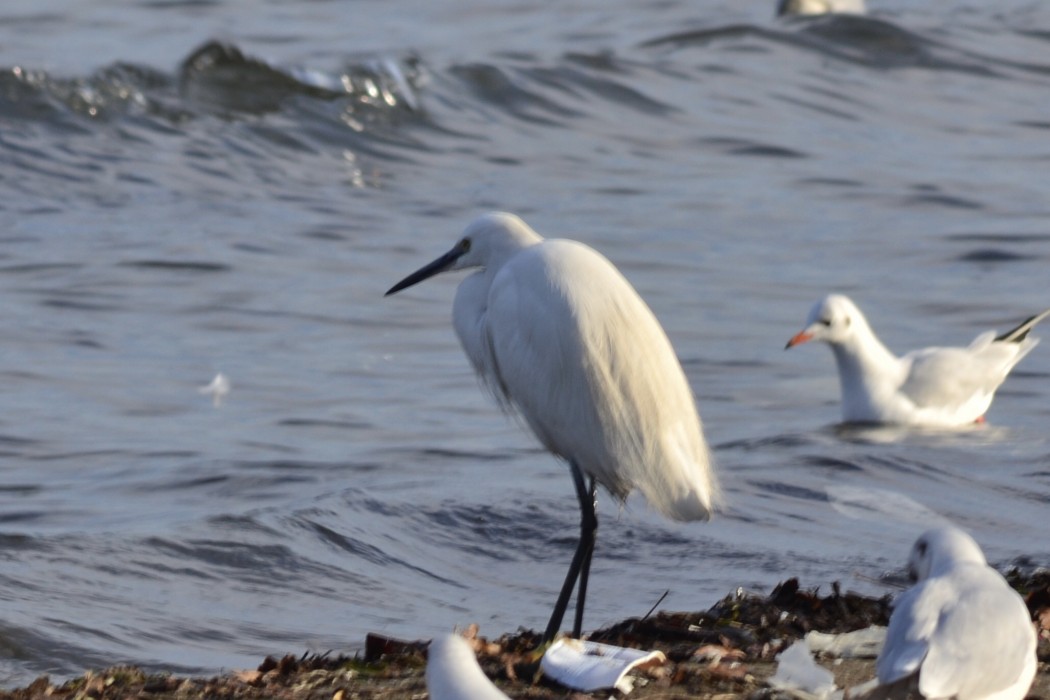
{"points": [[656, 604]]}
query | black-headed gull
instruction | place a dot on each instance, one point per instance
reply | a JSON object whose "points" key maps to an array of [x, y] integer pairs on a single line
{"points": [[960, 632], [935, 387]]}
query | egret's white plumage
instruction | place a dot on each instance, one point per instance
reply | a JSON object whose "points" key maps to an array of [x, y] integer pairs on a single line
{"points": [[819, 7], [961, 632], [453, 672], [934, 387], [556, 331]]}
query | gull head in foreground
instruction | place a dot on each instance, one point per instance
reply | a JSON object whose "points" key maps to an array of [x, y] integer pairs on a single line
{"points": [[937, 387], [453, 672], [557, 333], [961, 632]]}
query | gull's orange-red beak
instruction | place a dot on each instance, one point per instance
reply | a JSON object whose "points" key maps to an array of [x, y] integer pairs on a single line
{"points": [[798, 339]]}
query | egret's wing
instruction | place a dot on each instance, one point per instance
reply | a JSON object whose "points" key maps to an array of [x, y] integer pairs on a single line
{"points": [[595, 376], [470, 318], [984, 640], [528, 346], [914, 620]]}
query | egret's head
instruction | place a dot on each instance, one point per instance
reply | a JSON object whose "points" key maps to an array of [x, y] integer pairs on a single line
{"points": [[940, 550], [487, 242], [833, 319]]}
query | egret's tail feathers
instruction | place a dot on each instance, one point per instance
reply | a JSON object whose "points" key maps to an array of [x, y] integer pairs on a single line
{"points": [[692, 507], [685, 486], [1018, 334], [687, 498]]}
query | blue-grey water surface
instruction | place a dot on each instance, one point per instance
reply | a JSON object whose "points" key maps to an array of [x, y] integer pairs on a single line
{"points": [[190, 187]]}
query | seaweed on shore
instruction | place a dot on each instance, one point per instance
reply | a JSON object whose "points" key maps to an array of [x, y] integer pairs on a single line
{"points": [[725, 652]]}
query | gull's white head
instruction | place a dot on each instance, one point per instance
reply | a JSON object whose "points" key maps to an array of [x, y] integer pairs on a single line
{"points": [[833, 319], [940, 550]]}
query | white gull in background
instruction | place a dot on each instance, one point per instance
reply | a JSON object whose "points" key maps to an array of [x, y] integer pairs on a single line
{"points": [[453, 672], [933, 387], [819, 7], [960, 632], [217, 389]]}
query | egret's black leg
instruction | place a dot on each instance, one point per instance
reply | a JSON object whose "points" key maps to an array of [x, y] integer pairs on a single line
{"points": [[588, 529], [585, 570]]}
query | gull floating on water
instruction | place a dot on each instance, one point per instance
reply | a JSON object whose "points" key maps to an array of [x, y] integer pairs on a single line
{"points": [[819, 7], [453, 672], [934, 387], [960, 632]]}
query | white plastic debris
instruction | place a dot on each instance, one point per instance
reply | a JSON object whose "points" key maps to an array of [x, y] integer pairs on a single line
{"points": [[219, 387], [859, 644], [590, 666], [453, 672], [799, 674]]}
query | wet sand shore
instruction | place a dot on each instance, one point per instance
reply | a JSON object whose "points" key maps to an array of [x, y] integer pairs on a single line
{"points": [[726, 652]]}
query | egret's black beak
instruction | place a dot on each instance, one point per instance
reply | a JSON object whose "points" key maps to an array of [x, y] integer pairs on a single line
{"points": [[440, 265]]}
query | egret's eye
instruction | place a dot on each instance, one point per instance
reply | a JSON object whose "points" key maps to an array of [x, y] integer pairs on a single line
{"points": [[464, 245], [825, 321], [920, 547]]}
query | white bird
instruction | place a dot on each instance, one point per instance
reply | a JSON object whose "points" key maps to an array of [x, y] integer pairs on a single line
{"points": [[453, 672], [961, 632], [555, 331], [819, 7], [217, 389], [932, 387]]}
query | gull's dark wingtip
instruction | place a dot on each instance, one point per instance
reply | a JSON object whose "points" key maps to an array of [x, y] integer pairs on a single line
{"points": [[1018, 334]]}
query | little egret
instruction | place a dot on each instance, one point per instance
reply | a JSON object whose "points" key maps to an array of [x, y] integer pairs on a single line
{"points": [[555, 331], [960, 632], [933, 387]]}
